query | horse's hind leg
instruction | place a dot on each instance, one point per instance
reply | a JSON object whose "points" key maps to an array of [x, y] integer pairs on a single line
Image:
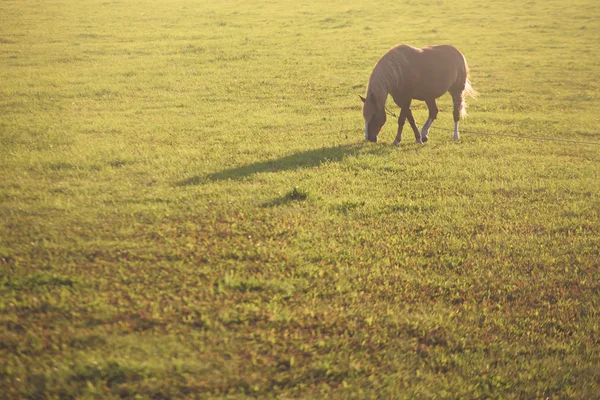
{"points": [[458, 100], [433, 112]]}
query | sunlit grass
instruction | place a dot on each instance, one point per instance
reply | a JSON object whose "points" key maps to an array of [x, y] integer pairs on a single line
{"points": [[188, 209]]}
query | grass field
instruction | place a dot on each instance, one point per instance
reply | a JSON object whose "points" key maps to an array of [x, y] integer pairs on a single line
{"points": [[188, 208]]}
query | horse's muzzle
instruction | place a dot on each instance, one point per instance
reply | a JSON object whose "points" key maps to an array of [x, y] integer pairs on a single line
{"points": [[367, 137]]}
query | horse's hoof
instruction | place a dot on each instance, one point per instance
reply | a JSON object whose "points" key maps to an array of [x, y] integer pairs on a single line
{"points": [[419, 141], [424, 139], [396, 143]]}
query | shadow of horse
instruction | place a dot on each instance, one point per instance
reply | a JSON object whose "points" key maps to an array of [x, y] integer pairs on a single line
{"points": [[305, 159]]}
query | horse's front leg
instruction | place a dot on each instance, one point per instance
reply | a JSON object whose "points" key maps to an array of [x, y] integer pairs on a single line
{"points": [[401, 121], [433, 112], [415, 128]]}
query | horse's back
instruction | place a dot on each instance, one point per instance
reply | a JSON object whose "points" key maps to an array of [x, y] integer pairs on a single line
{"points": [[445, 52], [449, 56], [445, 49], [441, 67]]}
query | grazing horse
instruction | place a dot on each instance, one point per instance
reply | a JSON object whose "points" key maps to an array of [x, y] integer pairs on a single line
{"points": [[409, 73]]}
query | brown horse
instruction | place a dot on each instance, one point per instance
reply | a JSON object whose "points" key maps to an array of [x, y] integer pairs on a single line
{"points": [[409, 73]]}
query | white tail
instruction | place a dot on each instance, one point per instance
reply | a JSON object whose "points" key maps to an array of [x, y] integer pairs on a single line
{"points": [[468, 91]]}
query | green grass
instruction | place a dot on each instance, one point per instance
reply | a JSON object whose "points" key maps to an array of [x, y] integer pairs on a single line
{"points": [[188, 208]]}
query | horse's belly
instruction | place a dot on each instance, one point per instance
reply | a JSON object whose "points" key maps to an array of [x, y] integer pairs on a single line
{"points": [[430, 94], [434, 81]]}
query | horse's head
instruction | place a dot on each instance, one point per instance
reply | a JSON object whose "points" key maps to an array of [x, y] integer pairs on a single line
{"points": [[374, 115]]}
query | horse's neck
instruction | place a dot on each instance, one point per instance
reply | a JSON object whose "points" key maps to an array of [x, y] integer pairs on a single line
{"points": [[389, 79], [381, 91]]}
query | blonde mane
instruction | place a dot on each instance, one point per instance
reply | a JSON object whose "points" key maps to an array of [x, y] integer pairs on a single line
{"points": [[387, 76]]}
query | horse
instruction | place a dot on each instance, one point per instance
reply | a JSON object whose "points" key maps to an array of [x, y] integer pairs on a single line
{"points": [[409, 73]]}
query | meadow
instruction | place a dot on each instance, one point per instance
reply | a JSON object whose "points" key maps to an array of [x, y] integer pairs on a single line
{"points": [[188, 208]]}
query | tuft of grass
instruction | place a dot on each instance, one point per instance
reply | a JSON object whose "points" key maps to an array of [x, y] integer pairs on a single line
{"points": [[296, 194]]}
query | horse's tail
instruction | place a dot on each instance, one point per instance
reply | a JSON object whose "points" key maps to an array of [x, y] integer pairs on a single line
{"points": [[467, 91]]}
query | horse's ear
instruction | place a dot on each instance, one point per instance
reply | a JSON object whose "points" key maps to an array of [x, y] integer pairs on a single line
{"points": [[362, 98]]}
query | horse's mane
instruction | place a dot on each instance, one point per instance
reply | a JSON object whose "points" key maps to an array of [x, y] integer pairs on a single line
{"points": [[387, 76]]}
